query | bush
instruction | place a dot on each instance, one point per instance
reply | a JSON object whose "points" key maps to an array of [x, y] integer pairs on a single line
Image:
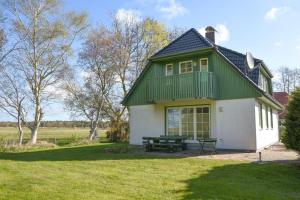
{"points": [[291, 137]]}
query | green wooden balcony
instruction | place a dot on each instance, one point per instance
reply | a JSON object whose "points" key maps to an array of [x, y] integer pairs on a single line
{"points": [[182, 86]]}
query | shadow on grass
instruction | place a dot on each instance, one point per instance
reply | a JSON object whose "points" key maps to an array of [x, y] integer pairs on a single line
{"points": [[245, 181], [106, 151]]}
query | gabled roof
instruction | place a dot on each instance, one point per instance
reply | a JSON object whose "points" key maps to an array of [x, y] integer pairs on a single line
{"points": [[282, 97], [192, 41], [189, 41]]}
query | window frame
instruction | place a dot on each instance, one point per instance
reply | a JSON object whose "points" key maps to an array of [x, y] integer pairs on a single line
{"points": [[166, 69], [188, 61], [180, 108], [260, 117], [263, 82], [271, 118], [267, 116], [201, 64]]}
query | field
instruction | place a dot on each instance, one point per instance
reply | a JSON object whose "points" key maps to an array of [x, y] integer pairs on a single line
{"points": [[59, 136], [120, 171]]}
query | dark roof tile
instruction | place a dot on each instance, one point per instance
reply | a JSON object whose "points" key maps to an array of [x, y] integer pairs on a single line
{"points": [[189, 41]]}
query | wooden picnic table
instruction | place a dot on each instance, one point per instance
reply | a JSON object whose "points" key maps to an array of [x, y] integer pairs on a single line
{"points": [[163, 142]]}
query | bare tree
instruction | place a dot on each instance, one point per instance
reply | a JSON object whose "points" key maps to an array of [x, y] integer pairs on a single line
{"points": [[46, 35], [134, 41], [12, 98], [88, 100], [288, 80]]}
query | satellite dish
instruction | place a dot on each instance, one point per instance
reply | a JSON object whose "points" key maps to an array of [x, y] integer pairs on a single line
{"points": [[250, 60]]}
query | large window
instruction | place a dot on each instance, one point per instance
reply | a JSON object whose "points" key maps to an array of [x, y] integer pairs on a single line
{"points": [[187, 122], [173, 121], [204, 65], [192, 122], [169, 69], [202, 122], [185, 67]]}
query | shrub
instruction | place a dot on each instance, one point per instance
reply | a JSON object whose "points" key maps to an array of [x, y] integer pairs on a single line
{"points": [[291, 137]]}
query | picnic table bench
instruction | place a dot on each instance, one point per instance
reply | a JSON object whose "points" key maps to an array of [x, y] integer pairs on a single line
{"points": [[209, 143], [170, 143]]}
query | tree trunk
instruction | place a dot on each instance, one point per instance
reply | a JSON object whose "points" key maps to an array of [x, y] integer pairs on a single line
{"points": [[93, 133], [34, 132], [21, 134]]}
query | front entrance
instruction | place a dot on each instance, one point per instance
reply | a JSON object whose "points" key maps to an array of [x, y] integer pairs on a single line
{"points": [[190, 121]]}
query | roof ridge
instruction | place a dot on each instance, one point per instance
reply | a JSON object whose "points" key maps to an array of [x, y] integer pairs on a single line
{"points": [[172, 42], [204, 38], [188, 31]]}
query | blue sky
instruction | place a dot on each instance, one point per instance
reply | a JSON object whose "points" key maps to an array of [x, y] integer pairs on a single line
{"points": [[269, 29]]}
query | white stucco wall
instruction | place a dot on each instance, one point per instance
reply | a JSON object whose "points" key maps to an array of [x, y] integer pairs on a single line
{"points": [[146, 120], [235, 124], [266, 136]]}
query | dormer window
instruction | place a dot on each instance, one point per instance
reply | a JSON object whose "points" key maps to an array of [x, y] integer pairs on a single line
{"points": [[263, 83], [169, 69], [204, 65], [185, 67]]}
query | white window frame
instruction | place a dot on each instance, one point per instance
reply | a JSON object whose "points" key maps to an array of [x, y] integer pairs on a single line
{"points": [[267, 116], [201, 65], [271, 118], [166, 69], [260, 116], [188, 61], [194, 119], [263, 82]]}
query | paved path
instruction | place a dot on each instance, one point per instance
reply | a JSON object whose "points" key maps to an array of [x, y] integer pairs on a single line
{"points": [[275, 153]]}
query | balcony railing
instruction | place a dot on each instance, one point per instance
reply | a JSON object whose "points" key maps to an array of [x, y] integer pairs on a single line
{"points": [[182, 86]]}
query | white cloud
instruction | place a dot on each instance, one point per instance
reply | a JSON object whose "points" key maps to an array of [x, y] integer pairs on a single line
{"points": [[275, 12], [128, 15], [171, 9], [222, 34]]}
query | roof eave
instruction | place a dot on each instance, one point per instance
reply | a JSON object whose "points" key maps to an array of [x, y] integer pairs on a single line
{"points": [[181, 54]]}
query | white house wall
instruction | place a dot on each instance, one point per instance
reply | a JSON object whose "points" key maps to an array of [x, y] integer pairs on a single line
{"points": [[266, 136], [146, 120], [235, 124]]}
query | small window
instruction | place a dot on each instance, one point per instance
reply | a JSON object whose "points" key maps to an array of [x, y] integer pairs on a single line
{"points": [[260, 116], [271, 117], [186, 67], [204, 65], [267, 117], [263, 83], [169, 69]]}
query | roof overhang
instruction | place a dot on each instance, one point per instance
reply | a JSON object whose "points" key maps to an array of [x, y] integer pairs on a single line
{"points": [[271, 101], [182, 54]]}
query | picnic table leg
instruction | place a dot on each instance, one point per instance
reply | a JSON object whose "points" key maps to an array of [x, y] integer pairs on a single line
{"points": [[202, 146]]}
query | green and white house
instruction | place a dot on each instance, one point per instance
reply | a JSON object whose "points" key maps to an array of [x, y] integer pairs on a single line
{"points": [[198, 89]]}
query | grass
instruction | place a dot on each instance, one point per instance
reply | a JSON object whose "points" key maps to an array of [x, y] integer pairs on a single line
{"points": [[60, 136], [118, 171]]}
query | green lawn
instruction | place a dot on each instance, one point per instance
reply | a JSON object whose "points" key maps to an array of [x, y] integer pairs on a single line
{"points": [[116, 171]]}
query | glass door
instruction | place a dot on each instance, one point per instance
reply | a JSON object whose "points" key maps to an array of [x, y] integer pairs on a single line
{"points": [[192, 122]]}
